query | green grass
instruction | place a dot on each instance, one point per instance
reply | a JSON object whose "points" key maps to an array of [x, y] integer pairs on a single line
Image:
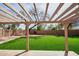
{"points": [[42, 43]]}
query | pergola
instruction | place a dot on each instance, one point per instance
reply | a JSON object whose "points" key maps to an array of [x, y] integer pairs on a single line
{"points": [[69, 15]]}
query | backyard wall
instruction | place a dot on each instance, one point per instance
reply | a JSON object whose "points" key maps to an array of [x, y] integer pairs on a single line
{"points": [[55, 32], [5, 32], [43, 32]]}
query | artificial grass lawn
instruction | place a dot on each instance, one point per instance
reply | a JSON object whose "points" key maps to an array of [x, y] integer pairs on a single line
{"points": [[42, 43]]}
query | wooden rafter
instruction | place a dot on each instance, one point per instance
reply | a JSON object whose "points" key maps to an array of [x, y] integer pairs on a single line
{"points": [[14, 10], [31, 22], [47, 5], [35, 16], [25, 10], [7, 17], [68, 9], [36, 10], [72, 19], [3, 19], [13, 18], [58, 8], [7, 12], [73, 12]]}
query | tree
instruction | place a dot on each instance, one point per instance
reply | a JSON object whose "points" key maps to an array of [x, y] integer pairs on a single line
{"points": [[41, 17], [59, 26], [14, 28]]}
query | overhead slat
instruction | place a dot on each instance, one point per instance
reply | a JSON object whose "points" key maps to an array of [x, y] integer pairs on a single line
{"points": [[37, 19], [3, 19], [36, 11], [14, 9], [25, 10], [73, 12], [46, 10], [8, 17], [7, 12], [73, 18], [58, 8], [68, 9], [47, 5]]}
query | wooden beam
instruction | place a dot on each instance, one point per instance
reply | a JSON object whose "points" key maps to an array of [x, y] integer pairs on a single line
{"points": [[3, 19], [31, 22], [9, 13], [71, 19], [44, 18], [66, 38], [8, 17], [73, 12], [27, 38], [47, 5], [36, 11], [58, 8], [68, 9], [25, 10], [14, 10]]}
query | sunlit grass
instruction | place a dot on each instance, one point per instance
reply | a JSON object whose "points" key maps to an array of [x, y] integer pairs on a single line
{"points": [[42, 43]]}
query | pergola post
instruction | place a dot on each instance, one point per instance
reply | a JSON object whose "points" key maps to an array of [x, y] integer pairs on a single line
{"points": [[27, 37], [66, 38]]}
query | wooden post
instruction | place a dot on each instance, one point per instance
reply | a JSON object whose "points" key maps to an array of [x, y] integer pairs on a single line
{"points": [[66, 38], [27, 37]]}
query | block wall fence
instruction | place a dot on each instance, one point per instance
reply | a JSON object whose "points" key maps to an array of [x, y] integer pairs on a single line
{"points": [[43, 32]]}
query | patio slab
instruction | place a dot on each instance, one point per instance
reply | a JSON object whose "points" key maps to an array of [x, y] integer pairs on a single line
{"points": [[35, 53], [48, 53], [6, 39], [10, 52]]}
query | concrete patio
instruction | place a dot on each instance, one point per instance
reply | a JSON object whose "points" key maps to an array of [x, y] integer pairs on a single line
{"points": [[6, 39], [35, 53]]}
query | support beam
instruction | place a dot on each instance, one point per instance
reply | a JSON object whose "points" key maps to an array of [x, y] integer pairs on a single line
{"points": [[27, 38], [67, 10], [47, 5], [25, 10], [15, 10], [56, 11], [36, 11], [73, 12], [10, 14], [31, 22], [66, 38], [72, 19]]}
